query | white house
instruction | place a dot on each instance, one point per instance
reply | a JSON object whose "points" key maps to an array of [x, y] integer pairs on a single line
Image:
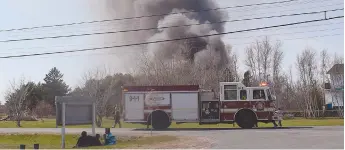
{"points": [[334, 94]]}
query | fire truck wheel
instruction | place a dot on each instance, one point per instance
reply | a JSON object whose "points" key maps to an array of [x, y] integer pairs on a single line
{"points": [[160, 120], [245, 118]]}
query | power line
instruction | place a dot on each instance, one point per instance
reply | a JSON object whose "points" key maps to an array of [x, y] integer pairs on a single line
{"points": [[287, 33], [144, 29], [312, 1], [170, 40], [334, 4], [147, 16], [332, 29], [61, 46], [246, 37], [310, 37]]}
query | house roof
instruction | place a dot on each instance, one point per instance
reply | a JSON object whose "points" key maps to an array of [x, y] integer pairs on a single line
{"points": [[336, 69]]}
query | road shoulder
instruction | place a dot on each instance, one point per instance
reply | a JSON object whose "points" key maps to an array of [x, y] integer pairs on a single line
{"points": [[183, 142]]}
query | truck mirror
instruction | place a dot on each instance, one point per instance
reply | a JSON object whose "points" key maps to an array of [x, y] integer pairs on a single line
{"points": [[273, 98]]}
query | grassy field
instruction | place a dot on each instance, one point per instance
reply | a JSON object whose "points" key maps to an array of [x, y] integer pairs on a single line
{"points": [[53, 141], [50, 123]]}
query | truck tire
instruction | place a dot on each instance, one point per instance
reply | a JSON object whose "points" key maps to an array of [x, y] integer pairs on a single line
{"points": [[160, 120], [245, 118]]}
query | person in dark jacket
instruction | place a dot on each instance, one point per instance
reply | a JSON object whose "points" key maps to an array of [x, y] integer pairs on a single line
{"points": [[96, 140], [117, 117], [83, 140]]}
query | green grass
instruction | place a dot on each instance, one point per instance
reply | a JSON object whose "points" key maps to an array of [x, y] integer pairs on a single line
{"points": [[53, 141], [50, 123]]}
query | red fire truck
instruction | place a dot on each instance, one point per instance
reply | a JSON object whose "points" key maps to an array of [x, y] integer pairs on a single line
{"points": [[162, 105]]}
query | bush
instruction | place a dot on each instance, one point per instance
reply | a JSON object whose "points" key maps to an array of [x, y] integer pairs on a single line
{"points": [[288, 116], [43, 109], [24, 118]]}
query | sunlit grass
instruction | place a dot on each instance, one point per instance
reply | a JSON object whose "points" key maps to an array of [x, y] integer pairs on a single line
{"points": [[53, 141], [50, 123]]}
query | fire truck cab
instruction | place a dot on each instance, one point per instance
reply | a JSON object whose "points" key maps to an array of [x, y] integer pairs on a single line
{"points": [[162, 105]]}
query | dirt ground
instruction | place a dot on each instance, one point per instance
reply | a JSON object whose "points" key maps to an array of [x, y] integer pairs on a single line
{"points": [[184, 142]]}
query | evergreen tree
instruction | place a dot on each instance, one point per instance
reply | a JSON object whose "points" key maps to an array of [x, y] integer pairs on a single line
{"points": [[54, 86], [34, 96]]}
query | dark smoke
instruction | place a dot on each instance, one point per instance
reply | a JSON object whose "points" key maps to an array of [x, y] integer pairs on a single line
{"points": [[196, 49]]}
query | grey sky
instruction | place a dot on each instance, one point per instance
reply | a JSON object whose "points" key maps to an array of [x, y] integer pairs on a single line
{"points": [[28, 13]]}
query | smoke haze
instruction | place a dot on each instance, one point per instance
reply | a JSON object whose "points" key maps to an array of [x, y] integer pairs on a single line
{"points": [[193, 50]]}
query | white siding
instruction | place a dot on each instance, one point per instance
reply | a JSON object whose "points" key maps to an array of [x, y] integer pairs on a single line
{"points": [[328, 97], [337, 81], [338, 98]]}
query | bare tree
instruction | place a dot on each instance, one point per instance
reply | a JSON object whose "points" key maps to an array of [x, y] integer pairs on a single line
{"points": [[324, 66], [15, 100], [306, 65], [262, 57], [100, 87], [233, 64], [266, 55], [251, 61], [278, 79], [203, 70], [277, 60], [43, 109], [338, 59]]}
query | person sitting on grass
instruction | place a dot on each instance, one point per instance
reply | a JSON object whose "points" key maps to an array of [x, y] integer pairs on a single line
{"points": [[109, 139], [83, 141], [96, 140]]}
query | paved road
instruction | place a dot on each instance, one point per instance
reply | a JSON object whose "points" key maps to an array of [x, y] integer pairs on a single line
{"points": [[263, 138]]}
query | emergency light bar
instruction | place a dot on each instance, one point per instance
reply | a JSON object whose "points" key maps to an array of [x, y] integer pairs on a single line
{"points": [[263, 84]]}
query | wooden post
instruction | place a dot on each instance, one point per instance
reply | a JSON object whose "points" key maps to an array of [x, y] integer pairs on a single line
{"points": [[36, 146], [93, 119], [63, 115], [56, 113]]}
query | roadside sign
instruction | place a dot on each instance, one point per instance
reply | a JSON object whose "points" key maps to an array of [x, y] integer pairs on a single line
{"points": [[74, 110]]}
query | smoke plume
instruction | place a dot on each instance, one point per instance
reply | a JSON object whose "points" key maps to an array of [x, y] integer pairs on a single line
{"points": [[193, 50]]}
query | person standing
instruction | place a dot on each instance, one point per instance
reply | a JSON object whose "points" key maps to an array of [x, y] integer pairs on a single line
{"points": [[117, 117], [279, 115]]}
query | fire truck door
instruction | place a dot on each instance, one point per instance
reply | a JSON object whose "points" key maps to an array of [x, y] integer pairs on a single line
{"points": [[134, 107]]}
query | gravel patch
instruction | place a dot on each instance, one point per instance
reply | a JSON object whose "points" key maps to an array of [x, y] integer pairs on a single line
{"points": [[183, 142]]}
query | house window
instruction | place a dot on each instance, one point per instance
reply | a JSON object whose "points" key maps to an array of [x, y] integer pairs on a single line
{"points": [[259, 94], [230, 92]]}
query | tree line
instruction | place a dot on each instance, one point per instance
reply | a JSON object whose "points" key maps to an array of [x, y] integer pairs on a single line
{"points": [[263, 58]]}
